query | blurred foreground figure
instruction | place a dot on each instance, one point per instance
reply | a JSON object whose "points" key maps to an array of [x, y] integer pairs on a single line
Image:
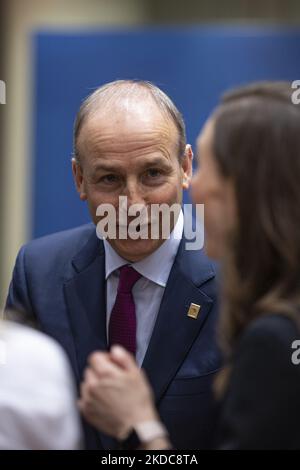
{"points": [[37, 398]]}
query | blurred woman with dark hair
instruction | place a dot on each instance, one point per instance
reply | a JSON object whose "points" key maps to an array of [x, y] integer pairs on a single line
{"points": [[249, 182]]}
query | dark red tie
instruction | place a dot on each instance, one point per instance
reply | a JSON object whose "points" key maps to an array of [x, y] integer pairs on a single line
{"points": [[122, 325]]}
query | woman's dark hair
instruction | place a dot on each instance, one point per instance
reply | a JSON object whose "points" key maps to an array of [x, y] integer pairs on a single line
{"points": [[257, 146]]}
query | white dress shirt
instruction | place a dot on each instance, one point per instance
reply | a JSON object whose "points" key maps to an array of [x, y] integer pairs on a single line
{"points": [[148, 290], [37, 395]]}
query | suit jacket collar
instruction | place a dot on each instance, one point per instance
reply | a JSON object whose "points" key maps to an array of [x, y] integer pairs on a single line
{"points": [[198, 272], [86, 301], [92, 249]]}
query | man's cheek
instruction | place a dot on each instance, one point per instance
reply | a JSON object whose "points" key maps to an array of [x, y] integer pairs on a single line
{"points": [[95, 200], [169, 194]]}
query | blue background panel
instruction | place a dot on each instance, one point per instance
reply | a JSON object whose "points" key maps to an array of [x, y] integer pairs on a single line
{"points": [[192, 65]]}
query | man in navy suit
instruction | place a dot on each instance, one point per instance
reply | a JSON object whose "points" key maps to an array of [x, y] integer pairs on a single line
{"points": [[129, 141]]}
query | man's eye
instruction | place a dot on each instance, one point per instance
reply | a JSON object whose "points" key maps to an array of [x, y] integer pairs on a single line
{"points": [[109, 179], [154, 173]]}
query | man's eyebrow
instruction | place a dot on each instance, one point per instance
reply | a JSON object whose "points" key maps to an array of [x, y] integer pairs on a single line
{"points": [[144, 164], [105, 167], [155, 161]]}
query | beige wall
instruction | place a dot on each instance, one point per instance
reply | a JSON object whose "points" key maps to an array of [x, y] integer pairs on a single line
{"points": [[195, 11], [2, 117]]}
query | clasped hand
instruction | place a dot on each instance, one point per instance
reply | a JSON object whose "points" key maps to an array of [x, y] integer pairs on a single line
{"points": [[115, 393]]}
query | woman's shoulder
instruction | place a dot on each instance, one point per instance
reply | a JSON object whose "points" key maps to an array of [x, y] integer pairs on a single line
{"points": [[272, 326], [272, 337], [261, 406]]}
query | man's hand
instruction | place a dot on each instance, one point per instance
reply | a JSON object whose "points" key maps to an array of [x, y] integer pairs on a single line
{"points": [[115, 394]]}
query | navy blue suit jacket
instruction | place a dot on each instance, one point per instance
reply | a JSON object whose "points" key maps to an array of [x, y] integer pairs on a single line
{"points": [[60, 281]]}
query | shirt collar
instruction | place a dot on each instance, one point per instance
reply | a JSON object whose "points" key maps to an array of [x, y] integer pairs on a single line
{"points": [[157, 266]]}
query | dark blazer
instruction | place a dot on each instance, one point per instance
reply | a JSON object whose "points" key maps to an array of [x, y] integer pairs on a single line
{"points": [[261, 408], [60, 280]]}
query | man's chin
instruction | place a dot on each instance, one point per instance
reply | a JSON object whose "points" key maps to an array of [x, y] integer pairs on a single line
{"points": [[135, 250]]}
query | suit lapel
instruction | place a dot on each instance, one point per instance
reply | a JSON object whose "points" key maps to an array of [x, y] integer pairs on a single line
{"points": [[175, 332], [86, 301]]}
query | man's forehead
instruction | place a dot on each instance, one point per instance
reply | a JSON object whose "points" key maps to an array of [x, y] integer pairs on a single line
{"points": [[113, 145], [103, 128]]}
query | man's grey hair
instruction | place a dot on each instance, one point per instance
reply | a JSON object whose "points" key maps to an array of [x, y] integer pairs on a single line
{"points": [[111, 92]]}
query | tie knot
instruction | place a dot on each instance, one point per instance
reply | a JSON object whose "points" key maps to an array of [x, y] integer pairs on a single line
{"points": [[128, 277]]}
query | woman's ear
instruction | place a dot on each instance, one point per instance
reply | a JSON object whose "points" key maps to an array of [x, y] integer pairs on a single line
{"points": [[78, 179], [187, 166]]}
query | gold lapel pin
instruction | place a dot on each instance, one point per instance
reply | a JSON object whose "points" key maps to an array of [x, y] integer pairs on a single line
{"points": [[193, 311]]}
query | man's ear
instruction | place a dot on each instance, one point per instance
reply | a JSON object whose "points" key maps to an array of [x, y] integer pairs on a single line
{"points": [[78, 179], [187, 166]]}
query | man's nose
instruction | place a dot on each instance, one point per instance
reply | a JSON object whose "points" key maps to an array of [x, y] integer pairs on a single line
{"points": [[133, 193]]}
